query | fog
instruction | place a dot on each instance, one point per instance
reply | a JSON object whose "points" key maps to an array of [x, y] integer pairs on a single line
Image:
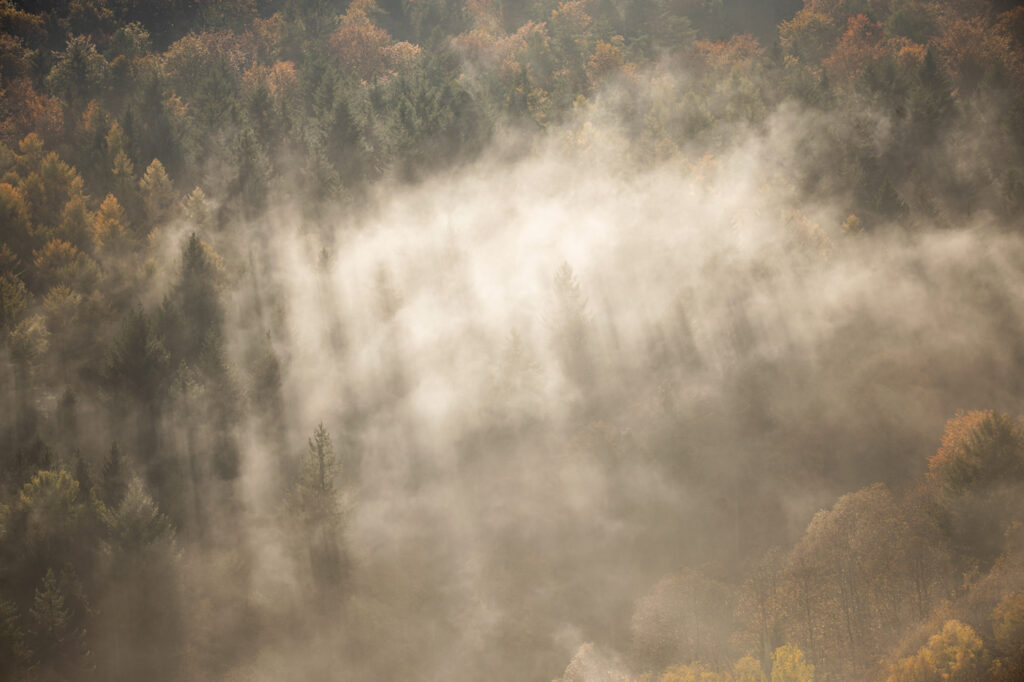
{"points": [[555, 375], [584, 341]]}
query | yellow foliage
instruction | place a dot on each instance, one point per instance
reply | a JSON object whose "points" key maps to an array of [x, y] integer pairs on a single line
{"points": [[158, 193], [571, 17], [695, 672], [955, 654], [748, 669], [61, 262], [607, 59], [788, 665], [29, 340], [1008, 622], [809, 36], [977, 445], [852, 225], [13, 211], [108, 227], [740, 51], [365, 49], [50, 501]]}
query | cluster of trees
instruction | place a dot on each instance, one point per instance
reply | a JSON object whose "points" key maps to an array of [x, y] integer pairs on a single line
{"points": [[316, 99], [918, 585], [92, 582], [122, 122]]}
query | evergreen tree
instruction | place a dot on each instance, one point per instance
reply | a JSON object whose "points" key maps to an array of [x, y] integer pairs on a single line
{"points": [[158, 195], [51, 618], [112, 478], [315, 501], [15, 655]]}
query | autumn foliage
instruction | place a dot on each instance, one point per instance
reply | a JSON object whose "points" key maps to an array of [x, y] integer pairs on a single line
{"points": [[977, 447], [148, 147]]}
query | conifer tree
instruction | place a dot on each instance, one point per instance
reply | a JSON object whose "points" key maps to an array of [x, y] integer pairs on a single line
{"points": [[109, 227], [112, 478], [315, 501], [158, 196]]}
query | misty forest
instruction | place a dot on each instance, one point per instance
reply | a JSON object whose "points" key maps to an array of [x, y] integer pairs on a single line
{"points": [[512, 340]]}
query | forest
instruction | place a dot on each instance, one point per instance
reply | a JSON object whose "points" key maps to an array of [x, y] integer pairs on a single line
{"points": [[463, 340]]}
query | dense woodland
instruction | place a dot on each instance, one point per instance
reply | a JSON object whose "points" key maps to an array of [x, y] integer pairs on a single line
{"points": [[593, 340]]}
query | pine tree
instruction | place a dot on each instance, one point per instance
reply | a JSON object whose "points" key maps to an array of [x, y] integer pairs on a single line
{"points": [[138, 363], [252, 180], [316, 504], [83, 477], [192, 312], [14, 654], [569, 325], [78, 75], [109, 227], [136, 522], [126, 188], [112, 481], [52, 618], [316, 485], [196, 208], [158, 196]]}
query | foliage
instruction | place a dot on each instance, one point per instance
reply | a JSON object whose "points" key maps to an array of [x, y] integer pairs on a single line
{"points": [[956, 653], [315, 494], [138, 363], [1008, 622], [131, 129], [135, 524], [788, 665], [978, 447]]}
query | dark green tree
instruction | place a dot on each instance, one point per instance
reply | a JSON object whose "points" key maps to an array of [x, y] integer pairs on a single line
{"points": [[316, 504], [138, 369], [112, 478]]}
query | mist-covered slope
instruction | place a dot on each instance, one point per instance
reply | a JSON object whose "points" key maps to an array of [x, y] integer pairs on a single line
{"points": [[583, 341]]}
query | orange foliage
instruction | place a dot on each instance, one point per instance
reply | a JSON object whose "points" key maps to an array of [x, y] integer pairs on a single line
{"points": [[402, 55], [360, 46], [197, 53], [279, 79], [571, 17], [972, 47], [977, 445], [486, 16], [108, 228], [859, 45], [607, 59], [283, 77], [1012, 22], [490, 50], [29, 111], [476, 45], [48, 186], [841, 10], [909, 55], [15, 58], [739, 51], [957, 434], [93, 118], [61, 261], [13, 211], [267, 34], [55, 254], [809, 36], [365, 49]]}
